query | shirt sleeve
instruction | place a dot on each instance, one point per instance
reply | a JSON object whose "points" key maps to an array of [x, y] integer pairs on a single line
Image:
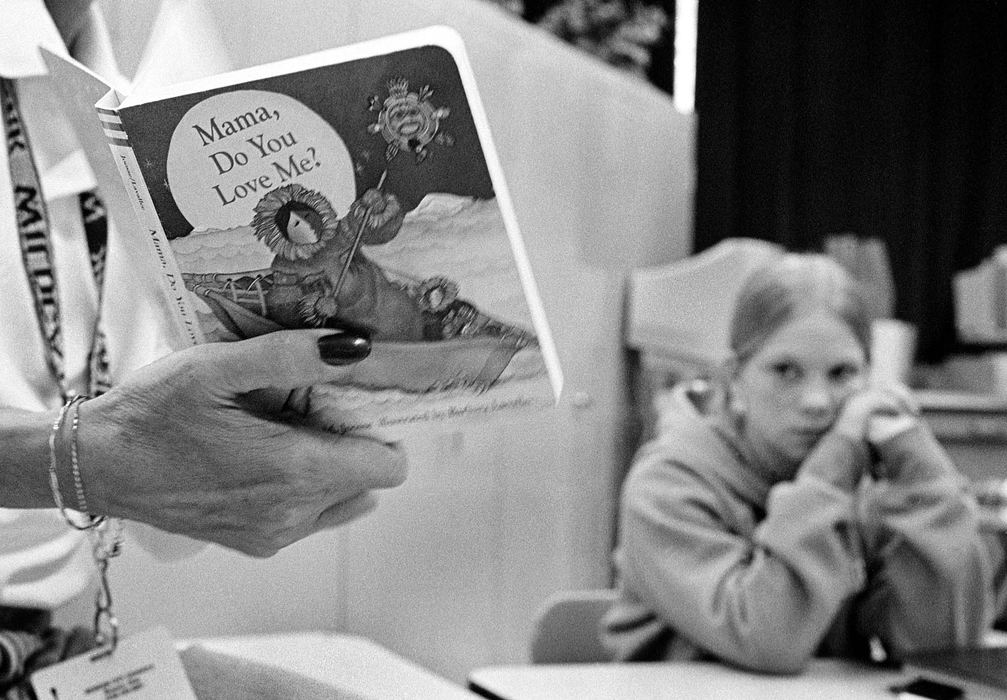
{"points": [[930, 570], [764, 599]]}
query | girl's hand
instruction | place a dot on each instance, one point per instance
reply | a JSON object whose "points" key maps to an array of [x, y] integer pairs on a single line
{"points": [[871, 415]]}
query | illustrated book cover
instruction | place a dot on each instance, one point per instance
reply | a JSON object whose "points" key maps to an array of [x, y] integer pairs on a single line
{"points": [[356, 187]]}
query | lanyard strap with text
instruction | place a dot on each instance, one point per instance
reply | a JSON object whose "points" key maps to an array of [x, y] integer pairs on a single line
{"points": [[33, 224], [34, 233]]}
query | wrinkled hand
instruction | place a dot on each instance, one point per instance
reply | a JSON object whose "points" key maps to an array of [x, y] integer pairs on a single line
{"points": [[200, 443], [874, 411]]}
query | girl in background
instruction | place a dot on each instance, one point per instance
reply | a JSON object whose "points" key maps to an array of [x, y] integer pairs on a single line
{"points": [[802, 511]]}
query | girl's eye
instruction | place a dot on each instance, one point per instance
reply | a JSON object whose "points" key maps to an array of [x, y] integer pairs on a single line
{"points": [[843, 373], [787, 371]]}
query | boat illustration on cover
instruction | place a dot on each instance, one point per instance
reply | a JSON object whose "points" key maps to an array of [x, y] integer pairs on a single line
{"points": [[426, 336]]}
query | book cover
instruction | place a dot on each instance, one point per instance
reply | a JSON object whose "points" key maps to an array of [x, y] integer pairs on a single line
{"points": [[353, 187]]}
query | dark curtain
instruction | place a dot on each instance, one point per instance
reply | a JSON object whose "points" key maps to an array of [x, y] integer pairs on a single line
{"points": [[886, 119]]}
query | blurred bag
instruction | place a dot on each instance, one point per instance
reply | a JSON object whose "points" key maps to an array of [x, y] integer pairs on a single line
{"points": [[29, 642]]}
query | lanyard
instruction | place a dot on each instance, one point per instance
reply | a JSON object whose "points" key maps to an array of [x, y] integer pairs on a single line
{"points": [[33, 224], [95, 219], [34, 232]]}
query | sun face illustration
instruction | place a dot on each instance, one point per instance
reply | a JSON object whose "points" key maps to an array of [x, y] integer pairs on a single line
{"points": [[408, 120]]}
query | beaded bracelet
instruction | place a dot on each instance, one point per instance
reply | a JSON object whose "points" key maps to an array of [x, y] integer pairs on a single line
{"points": [[57, 427], [53, 477], [78, 483]]}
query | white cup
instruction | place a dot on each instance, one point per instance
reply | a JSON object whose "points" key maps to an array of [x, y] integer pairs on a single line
{"points": [[893, 346]]}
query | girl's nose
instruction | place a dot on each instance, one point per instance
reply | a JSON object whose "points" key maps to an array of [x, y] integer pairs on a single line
{"points": [[817, 397]]}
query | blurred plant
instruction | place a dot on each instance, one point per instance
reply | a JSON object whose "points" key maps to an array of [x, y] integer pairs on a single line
{"points": [[619, 32]]}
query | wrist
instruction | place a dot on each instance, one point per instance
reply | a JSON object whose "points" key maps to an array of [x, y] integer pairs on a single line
{"points": [[851, 428], [838, 459], [24, 464], [881, 429], [96, 464]]}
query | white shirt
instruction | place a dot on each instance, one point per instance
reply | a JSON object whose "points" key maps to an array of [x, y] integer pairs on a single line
{"points": [[43, 562]]}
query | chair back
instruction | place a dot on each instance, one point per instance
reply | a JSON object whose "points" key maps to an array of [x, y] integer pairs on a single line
{"points": [[683, 309], [567, 627]]}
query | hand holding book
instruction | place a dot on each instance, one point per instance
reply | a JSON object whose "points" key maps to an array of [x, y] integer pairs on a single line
{"points": [[204, 443]]}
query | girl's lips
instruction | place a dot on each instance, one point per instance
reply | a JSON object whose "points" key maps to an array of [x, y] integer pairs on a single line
{"points": [[810, 433]]}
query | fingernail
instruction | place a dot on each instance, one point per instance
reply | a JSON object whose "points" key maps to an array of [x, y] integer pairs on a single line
{"points": [[343, 348]]}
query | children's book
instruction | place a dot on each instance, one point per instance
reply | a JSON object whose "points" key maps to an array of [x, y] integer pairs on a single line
{"points": [[357, 188]]}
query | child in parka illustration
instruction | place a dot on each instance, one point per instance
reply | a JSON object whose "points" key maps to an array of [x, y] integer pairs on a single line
{"points": [[320, 275]]}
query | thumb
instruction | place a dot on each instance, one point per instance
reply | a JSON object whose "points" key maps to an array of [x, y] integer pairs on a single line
{"points": [[345, 511], [285, 359]]}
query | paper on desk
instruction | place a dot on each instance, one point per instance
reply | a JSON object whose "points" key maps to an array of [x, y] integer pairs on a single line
{"points": [[222, 676]]}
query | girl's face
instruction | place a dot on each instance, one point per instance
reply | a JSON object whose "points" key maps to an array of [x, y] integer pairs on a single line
{"points": [[793, 388]]}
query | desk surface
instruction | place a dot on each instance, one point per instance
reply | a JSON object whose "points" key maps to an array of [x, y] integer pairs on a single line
{"points": [[824, 680], [351, 663]]}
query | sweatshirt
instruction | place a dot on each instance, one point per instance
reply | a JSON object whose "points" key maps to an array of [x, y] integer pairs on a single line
{"points": [[716, 560]]}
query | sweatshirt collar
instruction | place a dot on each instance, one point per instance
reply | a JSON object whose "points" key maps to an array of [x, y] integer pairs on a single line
{"points": [[754, 480], [712, 439]]}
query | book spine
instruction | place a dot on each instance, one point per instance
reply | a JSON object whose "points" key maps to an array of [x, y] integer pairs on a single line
{"points": [[186, 330]]}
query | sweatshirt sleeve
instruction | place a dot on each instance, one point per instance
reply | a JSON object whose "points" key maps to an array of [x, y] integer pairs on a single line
{"points": [[761, 600], [930, 569]]}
